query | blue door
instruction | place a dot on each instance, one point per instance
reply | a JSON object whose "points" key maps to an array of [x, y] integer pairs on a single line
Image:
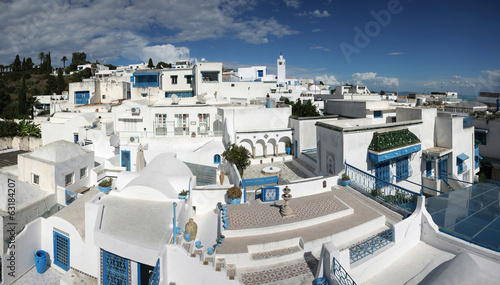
{"points": [[296, 152], [126, 159], [82, 97], [115, 269], [382, 172], [75, 138], [443, 169], [61, 251]]}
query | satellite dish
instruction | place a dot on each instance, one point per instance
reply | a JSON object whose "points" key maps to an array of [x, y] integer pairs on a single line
{"points": [[114, 141], [201, 98], [132, 139], [175, 99], [108, 107], [133, 110]]}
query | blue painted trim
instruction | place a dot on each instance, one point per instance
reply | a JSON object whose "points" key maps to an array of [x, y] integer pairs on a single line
{"points": [[462, 157], [270, 188], [481, 131], [57, 262], [259, 181], [138, 273], [217, 159], [377, 158], [105, 271]]}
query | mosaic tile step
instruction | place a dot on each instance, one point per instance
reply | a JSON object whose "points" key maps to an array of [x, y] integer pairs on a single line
{"points": [[276, 253], [279, 273]]}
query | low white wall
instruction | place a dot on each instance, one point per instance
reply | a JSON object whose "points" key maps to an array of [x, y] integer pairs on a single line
{"points": [[22, 143]]}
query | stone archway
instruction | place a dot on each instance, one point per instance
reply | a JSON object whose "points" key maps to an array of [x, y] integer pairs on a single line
{"points": [[248, 144], [272, 147], [282, 144], [260, 148]]}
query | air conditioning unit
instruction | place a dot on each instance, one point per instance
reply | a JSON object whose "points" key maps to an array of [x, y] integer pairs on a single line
{"points": [[134, 139], [136, 111]]}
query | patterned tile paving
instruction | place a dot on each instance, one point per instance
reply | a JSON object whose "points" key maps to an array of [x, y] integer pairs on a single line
{"points": [[257, 215], [289, 172], [276, 253], [277, 273]]}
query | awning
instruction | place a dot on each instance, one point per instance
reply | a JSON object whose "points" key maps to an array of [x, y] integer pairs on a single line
{"points": [[378, 157], [481, 131], [462, 157]]}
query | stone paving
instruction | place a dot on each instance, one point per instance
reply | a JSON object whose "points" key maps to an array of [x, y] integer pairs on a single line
{"points": [[289, 172], [51, 277], [260, 215]]}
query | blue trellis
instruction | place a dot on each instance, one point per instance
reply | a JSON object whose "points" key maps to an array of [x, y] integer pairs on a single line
{"points": [[115, 269], [270, 193], [402, 171], [61, 251], [342, 277], [155, 277], [371, 245]]}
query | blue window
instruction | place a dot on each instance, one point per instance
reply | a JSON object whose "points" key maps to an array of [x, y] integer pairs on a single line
{"points": [[428, 168], [260, 73], [382, 172], [126, 159], [75, 137], [216, 159], [477, 157], [61, 251], [461, 166], [480, 135], [402, 168], [179, 94], [146, 80], [115, 269], [82, 97], [377, 114]]}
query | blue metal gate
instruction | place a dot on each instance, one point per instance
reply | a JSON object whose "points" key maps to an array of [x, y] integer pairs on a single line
{"points": [[61, 251], [115, 269], [382, 172], [82, 97], [271, 193], [126, 159]]}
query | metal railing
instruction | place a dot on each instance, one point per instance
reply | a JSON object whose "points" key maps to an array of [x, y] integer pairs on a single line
{"points": [[339, 273], [390, 195], [371, 245]]}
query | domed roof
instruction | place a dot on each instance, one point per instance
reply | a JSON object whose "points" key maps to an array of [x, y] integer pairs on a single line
{"points": [[58, 151]]}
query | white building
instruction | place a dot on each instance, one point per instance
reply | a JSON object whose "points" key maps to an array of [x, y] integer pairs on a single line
{"points": [[281, 67]]}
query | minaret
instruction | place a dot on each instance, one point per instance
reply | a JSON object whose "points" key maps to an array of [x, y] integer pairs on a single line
{"points": [[281, 69]]}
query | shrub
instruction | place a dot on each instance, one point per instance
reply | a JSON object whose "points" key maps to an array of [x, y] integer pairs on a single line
{"points": [[345, 177], [106, 182], [234, 192]]}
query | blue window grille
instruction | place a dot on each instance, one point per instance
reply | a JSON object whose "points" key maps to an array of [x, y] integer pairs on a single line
{"points": [[382, 172], [82, 97], [461, 166], [428, 168], [70, 197], [369, 246], [179, 94], [377, 114], [115, 271], [155, 277], [126, 159], [402, 169], [216, 159], [260, 73], [271, 193], [61, 251]]}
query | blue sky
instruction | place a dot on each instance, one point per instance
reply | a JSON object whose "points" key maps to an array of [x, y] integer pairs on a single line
{"points": [[417, 45]]}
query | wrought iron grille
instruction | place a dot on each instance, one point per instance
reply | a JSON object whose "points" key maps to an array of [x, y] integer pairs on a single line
{"points": [[155, 277], [386, 193], [371, 245], [61, 251], [340, 274], [115, 269]]}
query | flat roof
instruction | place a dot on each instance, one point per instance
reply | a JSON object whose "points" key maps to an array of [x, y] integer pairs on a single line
{"points": [[472, 214]]}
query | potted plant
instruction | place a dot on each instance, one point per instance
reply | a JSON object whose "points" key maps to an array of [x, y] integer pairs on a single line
{"points": [[345, 179], [234, 195], [219, 242], [183, 194], [288, 148], [105, 185], [221, 237]]}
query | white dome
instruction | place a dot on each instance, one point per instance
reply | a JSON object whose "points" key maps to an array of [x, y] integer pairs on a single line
{"points": [[58, 151], [314, 88]]}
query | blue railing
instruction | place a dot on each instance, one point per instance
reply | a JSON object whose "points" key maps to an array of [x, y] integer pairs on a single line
{"points": [[155, 276], [447, 184], [340, 274], [371, 245], [394, 196], [493, 182]]}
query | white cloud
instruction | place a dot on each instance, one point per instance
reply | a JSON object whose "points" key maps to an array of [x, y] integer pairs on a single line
{"points": [[292, 3], [371, 80], [328, 80], [320, 48], [316, 30], [110, 29], [315, 13], [165, 53], [395, 53]]}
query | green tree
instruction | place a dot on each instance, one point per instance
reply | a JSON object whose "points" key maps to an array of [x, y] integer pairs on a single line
{"points": [[61, 85], [17, 65], [51, 85], [41, 57], [238, 155], [306, 109], [22, 108], [64, 59], [151, 64], [110, 66], [382, 92]]}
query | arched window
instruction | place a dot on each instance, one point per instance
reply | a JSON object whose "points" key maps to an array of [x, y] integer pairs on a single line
{"points": [[216, 159]]}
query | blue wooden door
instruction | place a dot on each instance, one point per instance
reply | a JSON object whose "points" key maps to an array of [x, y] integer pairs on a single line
{"points": [[115, 269], [126, 159], [82, 97], [382, 172], [443, 169]]}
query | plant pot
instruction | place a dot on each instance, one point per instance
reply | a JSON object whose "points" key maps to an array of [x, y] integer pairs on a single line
{"points": [[288, 150], [235, 201], [105, 189], [41, 261], [182, 197], [321, 281], [345, 182]]}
